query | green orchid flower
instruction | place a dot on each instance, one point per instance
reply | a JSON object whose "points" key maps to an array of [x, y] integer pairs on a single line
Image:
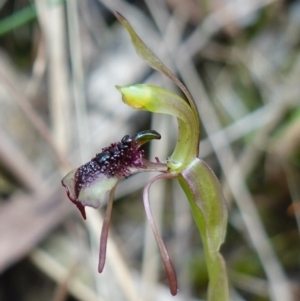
{"points": [[89, 184]]}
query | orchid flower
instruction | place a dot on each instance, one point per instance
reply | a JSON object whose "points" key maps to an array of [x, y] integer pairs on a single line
{"points": [[89, 184]]}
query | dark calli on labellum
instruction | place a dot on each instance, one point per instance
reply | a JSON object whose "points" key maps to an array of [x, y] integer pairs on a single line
{"points": [[115, 162]]}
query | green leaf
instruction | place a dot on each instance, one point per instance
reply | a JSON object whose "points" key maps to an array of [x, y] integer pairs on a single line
{"points": [[210, 214], [22, 17]]}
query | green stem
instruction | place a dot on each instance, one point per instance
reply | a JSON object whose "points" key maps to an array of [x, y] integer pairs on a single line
{"points": [[210, 214]]}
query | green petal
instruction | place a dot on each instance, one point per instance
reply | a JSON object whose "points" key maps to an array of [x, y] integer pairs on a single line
{"points": [[154, 62], [158, 100]]}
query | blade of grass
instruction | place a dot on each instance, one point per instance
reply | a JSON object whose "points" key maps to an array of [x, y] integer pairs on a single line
{"points": [[19, 18], [78, 77]]}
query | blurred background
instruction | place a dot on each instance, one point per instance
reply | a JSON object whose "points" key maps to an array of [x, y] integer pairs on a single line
{"points": [[59, 62]]}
